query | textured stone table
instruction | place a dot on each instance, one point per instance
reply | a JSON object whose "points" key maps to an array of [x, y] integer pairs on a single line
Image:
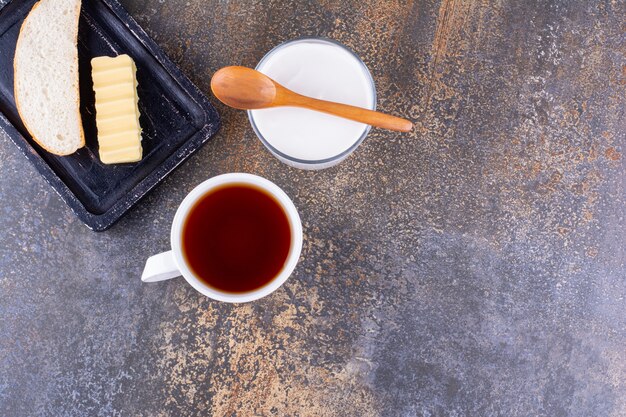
{"points": [[472, 268]]}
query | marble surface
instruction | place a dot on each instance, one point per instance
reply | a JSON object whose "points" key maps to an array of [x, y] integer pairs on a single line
{"points": [[474, 267]]}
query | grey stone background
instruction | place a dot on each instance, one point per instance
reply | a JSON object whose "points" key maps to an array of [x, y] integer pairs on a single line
{"points": [[474, 267]]}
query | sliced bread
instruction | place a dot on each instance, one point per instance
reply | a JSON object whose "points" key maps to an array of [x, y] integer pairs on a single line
{"points": [[46, 76]]}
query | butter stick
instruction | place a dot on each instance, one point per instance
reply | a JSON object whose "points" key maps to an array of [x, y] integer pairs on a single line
{"points": [[117, 112]]}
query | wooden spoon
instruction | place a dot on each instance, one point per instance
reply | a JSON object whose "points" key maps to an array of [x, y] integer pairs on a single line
{"points": [[248, 89]]}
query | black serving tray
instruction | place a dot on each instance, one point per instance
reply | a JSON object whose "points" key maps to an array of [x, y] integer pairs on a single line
{"points": [[175, 116]]}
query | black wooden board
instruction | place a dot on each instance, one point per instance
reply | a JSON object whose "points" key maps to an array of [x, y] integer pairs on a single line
{"points": [[176, 117]]}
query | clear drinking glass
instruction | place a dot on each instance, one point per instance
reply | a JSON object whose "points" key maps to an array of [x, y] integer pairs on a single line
{"points": [[313, 163]]}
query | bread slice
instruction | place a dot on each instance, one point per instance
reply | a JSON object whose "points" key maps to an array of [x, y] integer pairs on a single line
{"points": [[46, 76]]}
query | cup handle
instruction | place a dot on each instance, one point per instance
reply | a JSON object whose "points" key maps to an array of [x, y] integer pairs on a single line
{"points": [[160, 267]]}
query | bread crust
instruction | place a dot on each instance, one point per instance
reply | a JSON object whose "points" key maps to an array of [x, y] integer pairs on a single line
{"points": [[77, 104]]}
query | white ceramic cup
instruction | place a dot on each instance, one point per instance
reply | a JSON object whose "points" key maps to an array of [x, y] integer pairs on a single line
{"points": [[172, 263]]}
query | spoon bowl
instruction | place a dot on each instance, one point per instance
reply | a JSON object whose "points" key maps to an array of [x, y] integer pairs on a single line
{"points": [[243, 88]]}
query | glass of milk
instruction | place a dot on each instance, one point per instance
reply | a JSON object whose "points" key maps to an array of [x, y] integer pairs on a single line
{"points": [[323, 69]]}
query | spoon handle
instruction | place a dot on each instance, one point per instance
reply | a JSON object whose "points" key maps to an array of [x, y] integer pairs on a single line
{"points": [[346, 111]]}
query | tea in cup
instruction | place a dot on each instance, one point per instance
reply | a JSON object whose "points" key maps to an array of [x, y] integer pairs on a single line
{"points": [[235, 238]]}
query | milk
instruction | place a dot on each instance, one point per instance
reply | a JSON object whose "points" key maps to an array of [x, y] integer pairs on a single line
{"points": [[323, 70]]}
